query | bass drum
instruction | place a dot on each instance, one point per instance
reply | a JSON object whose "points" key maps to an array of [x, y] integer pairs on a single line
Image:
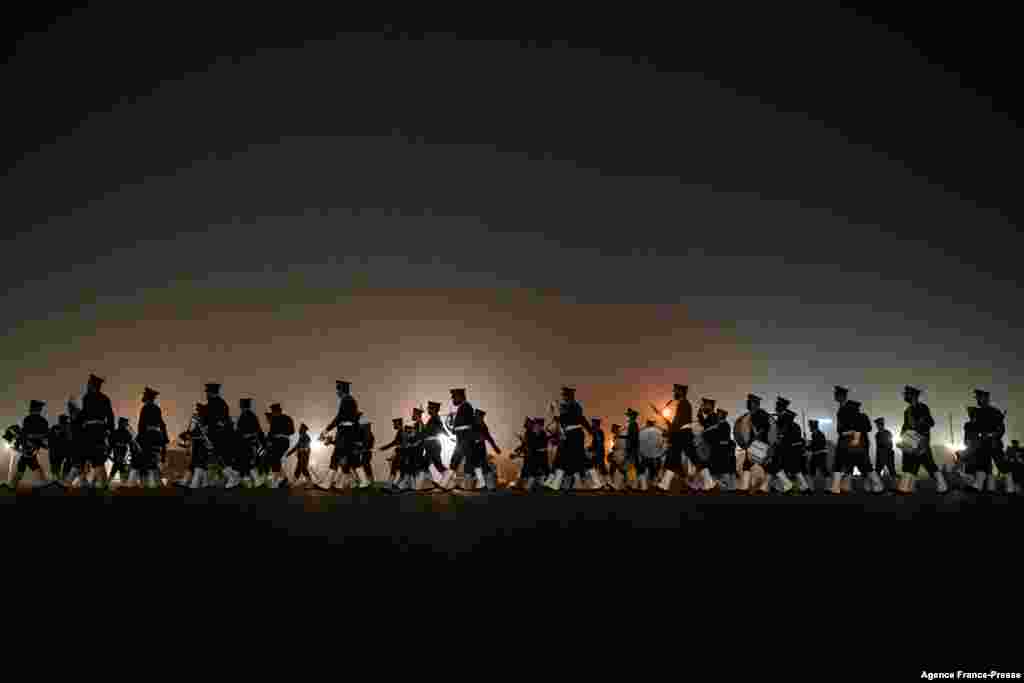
{"points": [[743, 431]]}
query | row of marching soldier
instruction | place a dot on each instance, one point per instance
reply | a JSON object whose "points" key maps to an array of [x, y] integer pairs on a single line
{"points": [[761, 453]]}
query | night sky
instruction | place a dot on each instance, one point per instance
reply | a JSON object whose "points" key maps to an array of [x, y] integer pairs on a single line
{"points": [[773, 204]]}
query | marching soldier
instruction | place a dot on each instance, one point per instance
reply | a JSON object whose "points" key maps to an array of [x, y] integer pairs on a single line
{"points": [[775, 468], [462, 422], [96, 424], [701, 481], [27, 441], [572, 454], [754, 425], [852, 448], [1011, 466], [633, 448], [484, 438], [885, 453], [718, 435], [396, 475], [818, 458], [279, 435], [680, 436], [120, 443], [302, 449], [915, 442], [59, 442], [347, 436], [598, 455], [789, 449], [433, 444], [364, 447], [220, 429], [249, 444], [989, 429]]}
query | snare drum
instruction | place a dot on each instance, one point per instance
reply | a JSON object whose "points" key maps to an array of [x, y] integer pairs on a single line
{"points": [[758, 452], [854, 440], [702, 447], [743, 432]]}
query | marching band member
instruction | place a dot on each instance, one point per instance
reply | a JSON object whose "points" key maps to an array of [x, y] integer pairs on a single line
{"points": [[774, 466], [461, 423], [151, 440], [989, 429], [434, 434], [302, 449], [598, 466], [885, 453], [617, 459], [789, 449], [753, 426], [279, 434], [27, 441], [536, 467], [96, 424], [347, 424], [60, 446], [852, 448], [120, 443], [1011, 466], [915, 442], [701, 480], [572, 452], [680, 436], [652, 445], [249, 443], [718, 435], [520, 452], [818, 459], [483, 438], [219, 428], [201, 448], [395, 460]]}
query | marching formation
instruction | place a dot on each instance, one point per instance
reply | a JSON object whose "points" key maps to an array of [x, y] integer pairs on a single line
{"points": [[761, 453]]}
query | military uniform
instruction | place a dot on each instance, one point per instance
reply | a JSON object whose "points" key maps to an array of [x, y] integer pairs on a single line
{"points": [[760, 426], [366, 443], [572, 454], [346, 454], [918, 418], [885, 452], [988, 429], [249, 444], [95, 425], [790, 449], [302, 449], [279, 435], [120, 444], [152, 440], [818, 449], [718, 436], [853, 450], [59, 442], [1013, 467], [220, 429], [398, 445], [433, 436], [462, 423], [680, 436], [33, 435]]}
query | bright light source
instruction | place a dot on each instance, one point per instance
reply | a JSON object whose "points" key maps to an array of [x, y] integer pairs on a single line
{"points": [[955, 446], [667, 413], [824, 421]]}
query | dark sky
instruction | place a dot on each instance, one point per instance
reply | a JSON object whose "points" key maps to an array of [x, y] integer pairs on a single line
{"points": [[769, 203]]}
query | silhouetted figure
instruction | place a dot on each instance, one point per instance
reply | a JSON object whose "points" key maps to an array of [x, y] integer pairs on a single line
{"points": [[59, 442], [885, 451], [250, 442], [483, 438], [751, 433], [818, 449], [120, 444], [220, 429], [462, 421], [279, 435], [988, 428], [395, 461], [96, 424], [200, 449], [346, 454], [572, 453], [1013, 462], [852, 447], [718, 436], [152, 440], [633, 448], [27, 441], [915, 442], [598, 455], [680, 436], [434, 435], [302, 450], [790, 449], [364, 446]]}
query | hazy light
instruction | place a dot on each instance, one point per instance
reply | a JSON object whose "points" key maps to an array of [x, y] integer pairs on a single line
{"points": [[824, 421], [666, 413]]}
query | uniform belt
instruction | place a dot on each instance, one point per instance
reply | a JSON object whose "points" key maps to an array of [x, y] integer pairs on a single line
{"points": [[571, 427], [278, 436], [459, 429], [347, 424], [153, 429], [95, 422]]}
